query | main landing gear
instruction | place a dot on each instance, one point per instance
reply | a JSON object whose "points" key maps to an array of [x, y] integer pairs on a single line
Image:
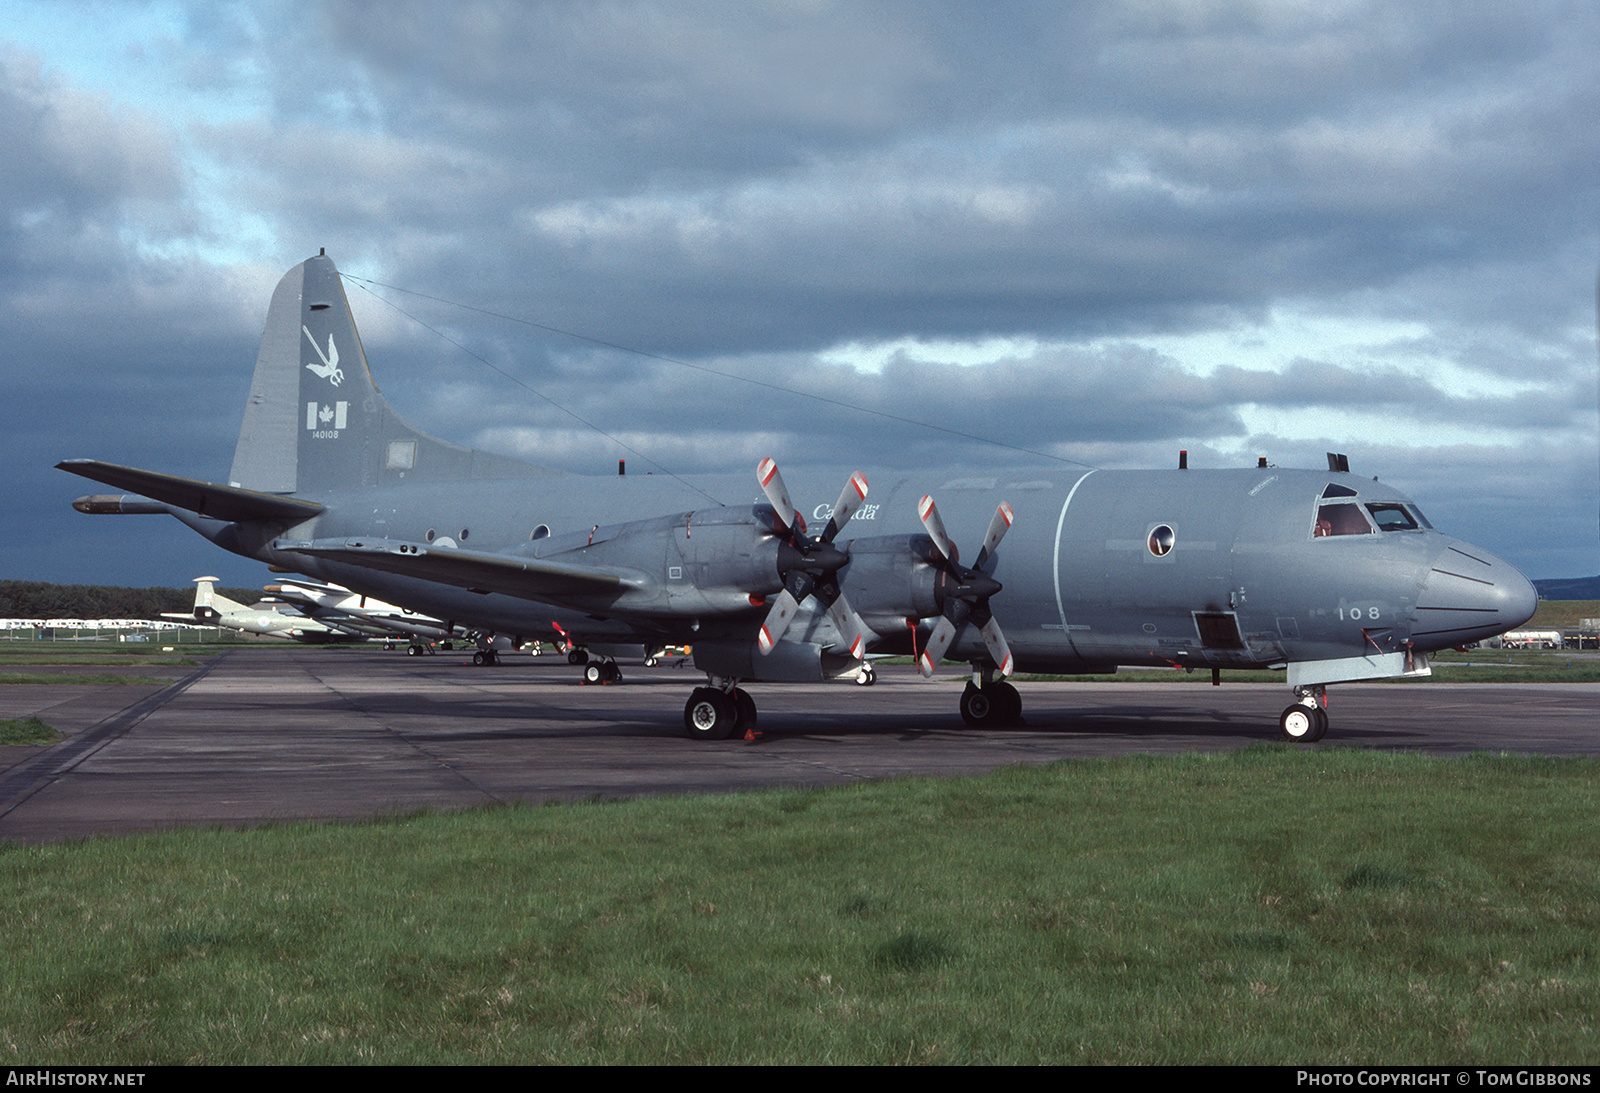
{"points": [[716, 713], [1306, 721], [994, 702], [601, 671]]}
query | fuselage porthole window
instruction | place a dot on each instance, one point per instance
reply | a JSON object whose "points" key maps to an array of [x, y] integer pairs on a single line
{"points": [[1161, 540]]}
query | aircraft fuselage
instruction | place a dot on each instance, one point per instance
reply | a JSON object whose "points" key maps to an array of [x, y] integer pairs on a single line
{"points": [[1196, 568]]}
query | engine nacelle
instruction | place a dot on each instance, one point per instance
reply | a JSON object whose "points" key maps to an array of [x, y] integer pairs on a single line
{"points": [[891, 579]]}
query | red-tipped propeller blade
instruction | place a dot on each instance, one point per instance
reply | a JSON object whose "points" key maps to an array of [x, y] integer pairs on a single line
{"points": [[967, 591], [813, 562]]}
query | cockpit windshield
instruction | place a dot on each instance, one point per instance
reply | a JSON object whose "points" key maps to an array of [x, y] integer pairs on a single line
{"points": [[1338, 514], [1391, 517]]}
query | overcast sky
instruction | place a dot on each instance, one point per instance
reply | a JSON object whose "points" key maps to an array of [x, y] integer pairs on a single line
{"points": [[1100, 231]]}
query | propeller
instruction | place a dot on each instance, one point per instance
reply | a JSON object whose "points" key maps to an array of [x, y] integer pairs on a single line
{"points": [[809, 564], [964, 592]]}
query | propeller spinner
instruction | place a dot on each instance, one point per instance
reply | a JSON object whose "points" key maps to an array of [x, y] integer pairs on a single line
{"points": [[809, 564], [964, 592]]}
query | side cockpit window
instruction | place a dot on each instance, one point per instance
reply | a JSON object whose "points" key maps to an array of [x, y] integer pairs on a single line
{"points": [[1338, 517]]}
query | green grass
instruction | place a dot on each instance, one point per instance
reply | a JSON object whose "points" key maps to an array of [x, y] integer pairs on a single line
{"points": [[27, 730], [1554, 614], [1268, 906], [80, 679]]}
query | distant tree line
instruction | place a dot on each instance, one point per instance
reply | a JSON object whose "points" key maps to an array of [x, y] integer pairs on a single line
{"points": [[39, 600]]}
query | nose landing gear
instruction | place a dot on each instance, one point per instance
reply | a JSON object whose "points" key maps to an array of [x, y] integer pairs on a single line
{"points": [[1306, 721]]}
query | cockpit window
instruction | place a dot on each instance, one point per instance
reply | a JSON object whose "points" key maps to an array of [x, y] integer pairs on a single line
{"points": [[1421, 519], [1340, 519], [1336, 490], [1391, 517]]}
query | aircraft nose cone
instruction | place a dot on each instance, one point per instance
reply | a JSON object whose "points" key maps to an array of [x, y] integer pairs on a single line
{"points": [[1470, 595]]}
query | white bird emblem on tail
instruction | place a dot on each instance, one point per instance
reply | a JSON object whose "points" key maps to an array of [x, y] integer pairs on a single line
{"points": [[329, 369]]}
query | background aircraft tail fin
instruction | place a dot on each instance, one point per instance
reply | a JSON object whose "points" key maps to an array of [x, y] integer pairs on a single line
{"points": [[315, 421], [208, 602]]}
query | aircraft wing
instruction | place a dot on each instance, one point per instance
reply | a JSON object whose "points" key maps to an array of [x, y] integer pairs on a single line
{"points": [[206, 498], [479, 571]]}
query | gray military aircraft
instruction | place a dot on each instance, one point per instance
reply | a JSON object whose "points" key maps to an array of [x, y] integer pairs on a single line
{"points": [[214, 609], [1329, 575]]}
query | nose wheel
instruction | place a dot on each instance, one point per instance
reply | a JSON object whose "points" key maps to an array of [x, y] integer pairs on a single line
{"points": [[1306, 721]]}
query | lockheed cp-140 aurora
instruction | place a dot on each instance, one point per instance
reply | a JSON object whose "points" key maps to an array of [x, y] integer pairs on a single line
{"points": [[1332, 576]]}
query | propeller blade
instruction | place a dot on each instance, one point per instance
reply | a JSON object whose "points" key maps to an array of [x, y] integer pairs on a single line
{"points": [[851, 629], [933, 652], [964, 593], [930, 520], [778, 619], [777, 493], [999, 651], [997, 531], [854, 492]]}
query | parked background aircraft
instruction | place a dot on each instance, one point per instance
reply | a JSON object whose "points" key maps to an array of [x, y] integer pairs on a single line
{"points": [[1330, 575], [339, 607], [214, 609]]}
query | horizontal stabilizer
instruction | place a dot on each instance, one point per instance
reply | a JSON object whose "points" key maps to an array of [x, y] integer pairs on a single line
{"points": [[528, 578], [206, 498]]}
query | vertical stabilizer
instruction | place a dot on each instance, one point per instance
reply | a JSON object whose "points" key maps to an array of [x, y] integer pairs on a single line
{"points": [[208, 603], [315, 421]]}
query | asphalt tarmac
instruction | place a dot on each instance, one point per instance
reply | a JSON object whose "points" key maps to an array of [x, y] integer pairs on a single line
{"points": [[271, 734]]}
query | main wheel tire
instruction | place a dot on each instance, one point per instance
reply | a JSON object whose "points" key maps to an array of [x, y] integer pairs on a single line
{"points": [[709, 715], [594, 672], [1300, 723], [1007, 701], [866, 677], [577, 656], [744, 708], [478, 659], [1322, 724], [977, 707]]}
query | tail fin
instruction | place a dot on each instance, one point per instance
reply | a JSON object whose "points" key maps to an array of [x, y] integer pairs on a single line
{"points": [[209, 603], [315, 421]]}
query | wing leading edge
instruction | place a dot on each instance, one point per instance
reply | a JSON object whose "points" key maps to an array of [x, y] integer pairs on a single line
{"points": [[477, 571]]}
